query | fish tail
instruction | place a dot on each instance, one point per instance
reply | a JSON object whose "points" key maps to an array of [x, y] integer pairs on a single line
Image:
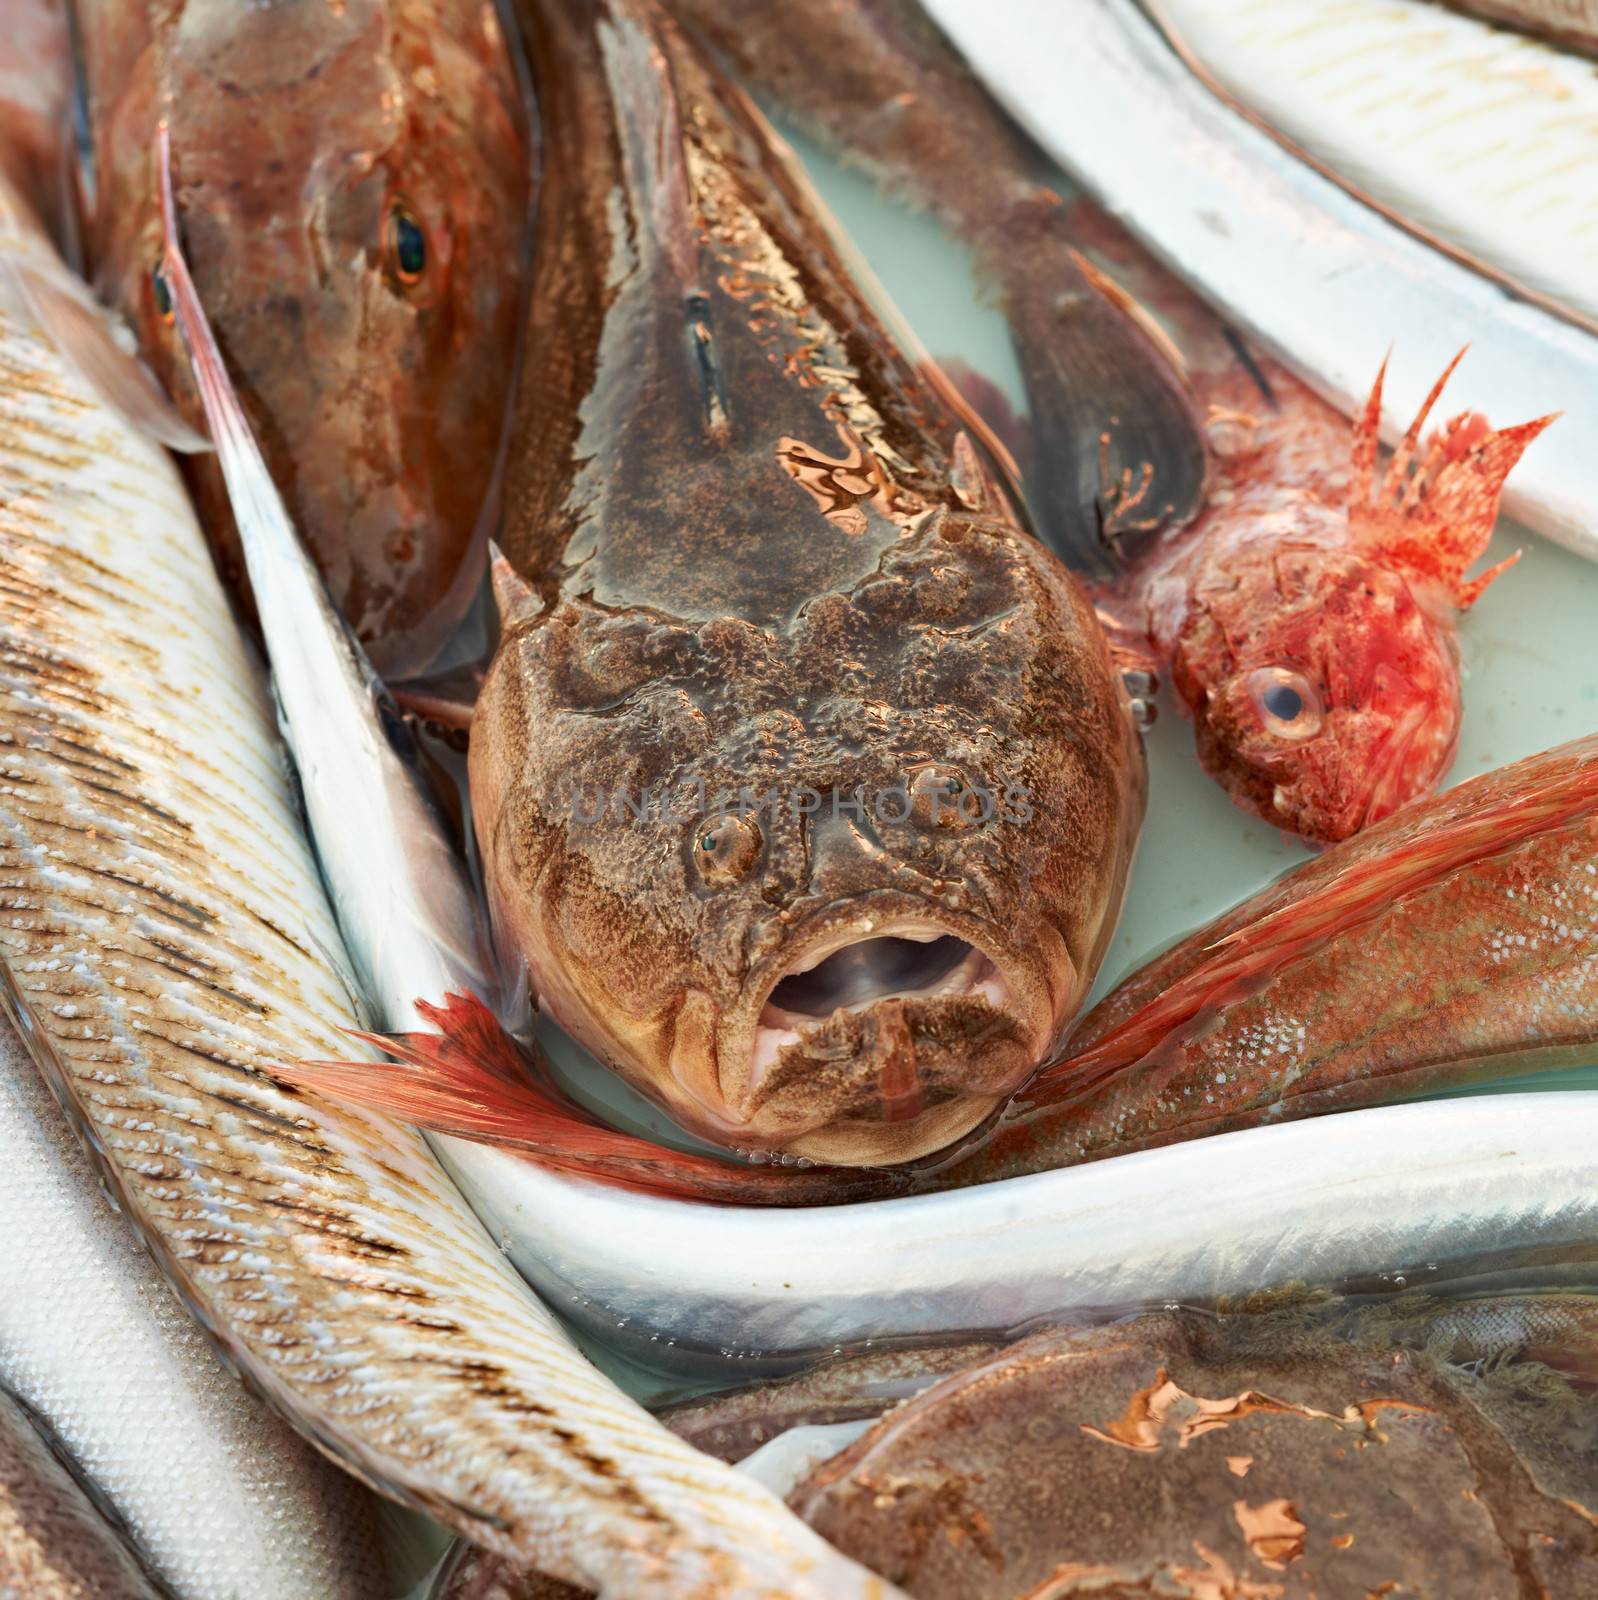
{"points": [[1435, 508], [1126, 456], [471, 1080]]}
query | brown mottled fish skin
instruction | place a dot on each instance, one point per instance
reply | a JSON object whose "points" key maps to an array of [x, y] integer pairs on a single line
{"points": [[301, 132], [736, 1423], [875, 81], [54, 1545], [165, 942], [472, 1574], [1252, 1457], [1572, 23], [35, 85], [758, 552]]}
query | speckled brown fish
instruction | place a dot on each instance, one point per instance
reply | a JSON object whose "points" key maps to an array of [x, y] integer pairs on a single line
{"points": [[165, 940], [54, 1545], [353, 189], [760, 555], [1272, 1456], [875, 82]]}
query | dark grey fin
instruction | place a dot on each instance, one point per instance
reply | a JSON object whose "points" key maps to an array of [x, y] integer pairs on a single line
{"points": [[1120, 455]]}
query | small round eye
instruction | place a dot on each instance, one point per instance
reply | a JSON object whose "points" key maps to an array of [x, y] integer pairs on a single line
{"points": [[725, 848], [941, 797], [405, 245], [162, 292], [1287, 702]]}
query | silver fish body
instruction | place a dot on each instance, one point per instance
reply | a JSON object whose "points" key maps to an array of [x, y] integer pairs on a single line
{"points": [[464, 1395], [1404, 1189], [1323, 280], [54, 1545], [222, 1499]]}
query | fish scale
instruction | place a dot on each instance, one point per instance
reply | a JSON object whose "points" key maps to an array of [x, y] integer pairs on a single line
{"points": [[53, 1544], [97, 1346], [165, 936]]}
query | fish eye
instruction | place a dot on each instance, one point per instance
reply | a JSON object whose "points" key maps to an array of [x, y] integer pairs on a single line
{"points": [[162, 292], [1287, 702], [404, 245], [725, 847], [941, 796]]}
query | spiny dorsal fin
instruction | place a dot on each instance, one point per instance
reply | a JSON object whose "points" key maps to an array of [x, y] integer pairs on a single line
{"points": [[1434, 510]]}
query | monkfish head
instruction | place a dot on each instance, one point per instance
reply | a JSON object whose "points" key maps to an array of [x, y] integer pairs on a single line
{"points": [[352, 192], [828, 885]]}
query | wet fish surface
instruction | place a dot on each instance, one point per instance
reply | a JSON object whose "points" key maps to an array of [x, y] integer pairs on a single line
{"points": [[1307, 574], [1573, 23], [758, 552], [166, 940], [94, 1343], [35, 84], [1478, 137], [1483, 902], [354, 192], [53, 1544], [1263, 1455], [875, 82], [1282, 250]]}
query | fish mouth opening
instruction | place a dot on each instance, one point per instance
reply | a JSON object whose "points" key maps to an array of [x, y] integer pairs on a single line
{"points": [[877, 967], [881, 1039]]}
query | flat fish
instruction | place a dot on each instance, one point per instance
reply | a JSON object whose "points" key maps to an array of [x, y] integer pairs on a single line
{"points": [[166, 939], [1275, 1455]]}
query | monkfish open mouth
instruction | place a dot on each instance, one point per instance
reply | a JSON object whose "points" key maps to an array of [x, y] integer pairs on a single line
{"points": [[879, 967], [887, 1023]]}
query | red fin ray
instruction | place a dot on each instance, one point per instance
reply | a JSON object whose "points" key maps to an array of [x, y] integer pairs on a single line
{"points": [[1434, 510], [1398, 856], [472, 1080]]}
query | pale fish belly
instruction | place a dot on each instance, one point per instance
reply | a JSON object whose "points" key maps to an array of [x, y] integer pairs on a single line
{"points": [[166, 938], [54, 1545], [1485, 137], [221, 1499]]}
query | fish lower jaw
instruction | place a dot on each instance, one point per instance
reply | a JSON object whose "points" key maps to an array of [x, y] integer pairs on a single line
{"points": [[884, 1041]]}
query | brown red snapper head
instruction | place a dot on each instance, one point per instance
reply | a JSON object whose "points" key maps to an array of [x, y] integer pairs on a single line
{"points": [[352, 190], [828, 884]]}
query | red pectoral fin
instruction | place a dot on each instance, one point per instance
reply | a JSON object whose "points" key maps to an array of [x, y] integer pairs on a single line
{"points": [[1416, 847], [473, 1081]]}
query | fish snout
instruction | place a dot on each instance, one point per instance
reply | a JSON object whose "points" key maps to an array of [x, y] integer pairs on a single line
{"points": [[879, 1043]]}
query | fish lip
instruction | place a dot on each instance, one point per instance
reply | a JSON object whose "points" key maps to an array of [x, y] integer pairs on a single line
{"points": [[1006, 977]]}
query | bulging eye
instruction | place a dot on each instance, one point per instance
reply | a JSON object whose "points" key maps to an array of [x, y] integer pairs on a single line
{"points": [[404, 245], [942, 797], [725, 848], [1287, 702], [161, 292]]}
